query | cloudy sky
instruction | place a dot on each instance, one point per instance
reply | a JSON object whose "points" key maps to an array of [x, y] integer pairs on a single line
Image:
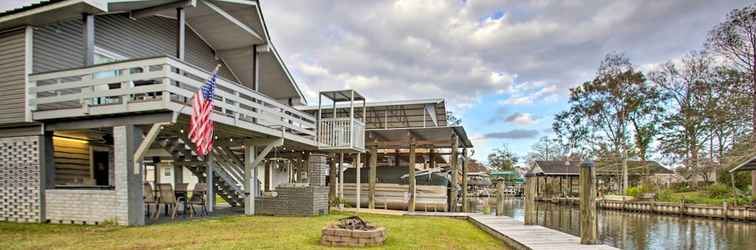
{"points": [[504, 66]]}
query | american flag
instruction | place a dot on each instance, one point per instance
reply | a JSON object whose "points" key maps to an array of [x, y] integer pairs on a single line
{"points": [[200, 125]]}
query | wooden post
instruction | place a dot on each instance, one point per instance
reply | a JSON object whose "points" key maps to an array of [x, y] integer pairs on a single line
{"points": [[454, 174], [266, 177], [588, 215], [372, 175], [530, 193], [411, 176], [500, 199], [464, 181], [753, 184], [356, 163], [432, 155], [210, 182], [331, 177], [341, 180]]}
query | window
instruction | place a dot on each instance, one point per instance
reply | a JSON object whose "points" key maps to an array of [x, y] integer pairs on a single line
{"points": [[105, 56], [167, 172]]}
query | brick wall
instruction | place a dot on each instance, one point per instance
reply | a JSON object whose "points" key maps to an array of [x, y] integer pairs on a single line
{"points": [[297, 199], [20, 179], [294, 201], [80, 206]]}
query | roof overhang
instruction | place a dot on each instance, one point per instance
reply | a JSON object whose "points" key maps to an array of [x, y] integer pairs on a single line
{"points": [[50, 11], [379, 104], [747, 165]]}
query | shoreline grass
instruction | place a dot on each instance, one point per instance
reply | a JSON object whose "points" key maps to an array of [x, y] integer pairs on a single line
{"points": [[243, 232]]}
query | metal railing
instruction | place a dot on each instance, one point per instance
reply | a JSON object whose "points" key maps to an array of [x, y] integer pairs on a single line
{"points": [[341, 133], [155, 84]]}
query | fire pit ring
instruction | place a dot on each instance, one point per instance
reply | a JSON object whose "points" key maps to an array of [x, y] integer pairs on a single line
{"points": [[352, 232]]}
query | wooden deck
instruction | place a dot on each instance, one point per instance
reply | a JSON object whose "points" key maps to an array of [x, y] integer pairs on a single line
{"points": [[520, 236]]}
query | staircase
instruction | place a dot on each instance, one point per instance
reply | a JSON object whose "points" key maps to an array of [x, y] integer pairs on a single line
{"points": [[228, 175]]}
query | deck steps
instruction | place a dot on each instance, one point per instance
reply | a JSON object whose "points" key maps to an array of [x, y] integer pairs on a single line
{"points": [[227, 176]]}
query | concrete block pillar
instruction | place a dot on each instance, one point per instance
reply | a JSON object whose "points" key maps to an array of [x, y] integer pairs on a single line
{"points": [[250, 191], [373, 163], [317, 165], [128, 176]]}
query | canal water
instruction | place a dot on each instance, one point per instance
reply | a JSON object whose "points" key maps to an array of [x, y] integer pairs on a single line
{"points": [[628, 230]]}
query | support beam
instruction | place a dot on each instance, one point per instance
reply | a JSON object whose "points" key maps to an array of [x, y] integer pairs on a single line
{"points": [[432, 154], [266, 177], [332, 181], [250, 184], [588, 215], [88, 36], [181, 30], [411, 178], [210, 183], [146, 143], [454, 174], [357, 167], [373, 164], [753, 184], [341, 180], [464, 180]]}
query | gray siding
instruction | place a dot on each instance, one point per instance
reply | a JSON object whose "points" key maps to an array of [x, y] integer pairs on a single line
{"points": [[58, 46], [12, 76], [151, 36], [34, 130]]}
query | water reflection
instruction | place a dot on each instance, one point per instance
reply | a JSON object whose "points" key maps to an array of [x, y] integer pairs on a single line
{"points": [[628, 230]]}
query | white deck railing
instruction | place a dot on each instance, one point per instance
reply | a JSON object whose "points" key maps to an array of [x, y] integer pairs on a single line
{"points": [[342, 133], [155, 84]]}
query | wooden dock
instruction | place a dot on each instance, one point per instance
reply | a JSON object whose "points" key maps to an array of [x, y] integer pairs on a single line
{"points": [[520, 236]]}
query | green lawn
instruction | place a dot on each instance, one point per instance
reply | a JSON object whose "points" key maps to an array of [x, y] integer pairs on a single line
{"points": [[242, 232]]}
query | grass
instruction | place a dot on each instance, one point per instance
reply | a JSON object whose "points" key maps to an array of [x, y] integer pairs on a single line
{"points": [[242, 232], [695, 197]]}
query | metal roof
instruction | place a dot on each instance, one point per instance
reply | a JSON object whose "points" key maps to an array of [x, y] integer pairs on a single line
{"points": [[380, 104], [747, 165]]}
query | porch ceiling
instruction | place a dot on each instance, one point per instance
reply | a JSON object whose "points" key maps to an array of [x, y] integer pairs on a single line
{"points": [[439, 137], [48, 11]]}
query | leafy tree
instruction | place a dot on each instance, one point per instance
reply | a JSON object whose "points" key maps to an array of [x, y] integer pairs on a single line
{"points": [[685, 89], [603, 109], [502, 159], [735, 38]]}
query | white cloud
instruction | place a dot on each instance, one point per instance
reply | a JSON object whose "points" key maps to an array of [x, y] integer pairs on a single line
{"points": [[522, 119]]}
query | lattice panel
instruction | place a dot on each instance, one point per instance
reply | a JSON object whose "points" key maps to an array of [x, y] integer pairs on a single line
{"points": [[19, 179]]}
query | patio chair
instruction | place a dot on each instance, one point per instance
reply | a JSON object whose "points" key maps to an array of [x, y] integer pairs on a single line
{"points": [[168, 198], [149, 198], [198, 199], [182, 195]]}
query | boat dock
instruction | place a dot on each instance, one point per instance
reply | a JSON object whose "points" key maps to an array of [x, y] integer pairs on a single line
{"points": [[520, 236]]}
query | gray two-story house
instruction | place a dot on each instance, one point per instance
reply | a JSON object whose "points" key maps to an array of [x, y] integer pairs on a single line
{"points": [[91, 90]]}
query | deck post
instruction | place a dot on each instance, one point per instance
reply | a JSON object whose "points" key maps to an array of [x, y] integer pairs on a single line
{"points": [[588, 216], [210, 182], [266, 180], [341, 180], [530, 194], [464, 180], [331, 178], [372, 175], [454, 174], [249, 184], [356, 164], [411, 176], [431, 153]]}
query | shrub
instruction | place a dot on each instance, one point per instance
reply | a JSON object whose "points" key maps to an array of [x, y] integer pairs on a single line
{"points": [[664, 195], [633, 191], [717, 191]]}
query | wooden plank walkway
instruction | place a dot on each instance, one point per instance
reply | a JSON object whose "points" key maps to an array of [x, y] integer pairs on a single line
{"points": [[520, 236]]}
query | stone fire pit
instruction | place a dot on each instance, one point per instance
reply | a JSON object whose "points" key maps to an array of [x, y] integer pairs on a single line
{"points": [[352, 232]]}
